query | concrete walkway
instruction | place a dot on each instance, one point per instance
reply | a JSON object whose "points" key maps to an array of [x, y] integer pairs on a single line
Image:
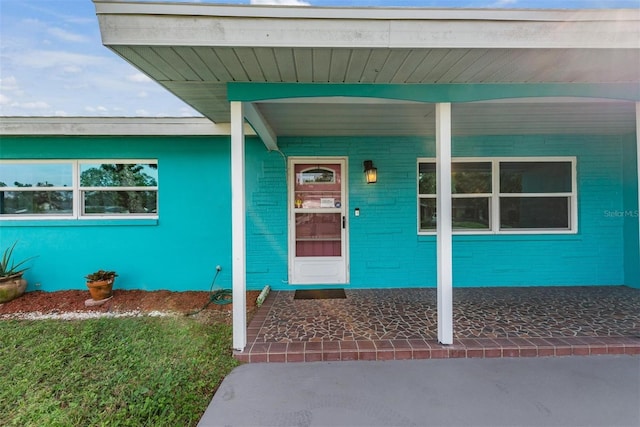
{"points": [[554, 391]]}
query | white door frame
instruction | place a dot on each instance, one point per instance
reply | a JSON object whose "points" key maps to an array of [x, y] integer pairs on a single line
{"points": [[292, 161]]}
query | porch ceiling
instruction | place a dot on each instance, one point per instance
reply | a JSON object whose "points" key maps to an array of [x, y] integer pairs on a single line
{"points": [[482, 118], [194, 50]]}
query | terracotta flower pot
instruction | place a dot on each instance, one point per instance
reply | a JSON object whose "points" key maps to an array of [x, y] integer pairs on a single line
{"points": [[12, 287], [100, 289]]}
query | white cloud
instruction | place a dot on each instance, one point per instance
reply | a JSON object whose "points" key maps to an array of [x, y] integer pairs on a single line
{"points": [[31, 21], [73, 69], [139, 78], [34, 105], [77, 85], [40, 59], [99, 110], [280, 2], [48, 70], [67, 35], [188, 112], [9, 83]]}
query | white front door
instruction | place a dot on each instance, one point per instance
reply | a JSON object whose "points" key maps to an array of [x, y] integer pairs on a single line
{"points": [[318, 250]]}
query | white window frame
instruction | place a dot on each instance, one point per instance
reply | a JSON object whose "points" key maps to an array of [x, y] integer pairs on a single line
{"points": [[495, 195], [49, 217], [77, 191]]}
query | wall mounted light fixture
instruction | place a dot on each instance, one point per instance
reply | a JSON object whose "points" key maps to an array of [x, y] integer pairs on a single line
{"points": [[370, 172]]}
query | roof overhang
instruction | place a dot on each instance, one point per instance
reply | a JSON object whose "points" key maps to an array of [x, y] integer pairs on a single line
{"points": [[196, 50]]}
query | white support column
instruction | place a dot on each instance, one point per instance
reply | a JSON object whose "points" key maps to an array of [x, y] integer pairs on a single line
{"points": [[444, 231], [238, 228]]}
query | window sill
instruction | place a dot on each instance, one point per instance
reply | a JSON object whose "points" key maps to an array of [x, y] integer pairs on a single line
{"points": [[506, 237], [78, 223]]}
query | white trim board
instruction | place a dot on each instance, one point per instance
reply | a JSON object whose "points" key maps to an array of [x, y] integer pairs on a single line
{"points": [[116, 126], [144, 23]]}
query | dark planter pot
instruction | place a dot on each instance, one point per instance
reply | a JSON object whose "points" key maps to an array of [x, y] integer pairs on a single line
{"points": [[100, 289], [12, 287]]}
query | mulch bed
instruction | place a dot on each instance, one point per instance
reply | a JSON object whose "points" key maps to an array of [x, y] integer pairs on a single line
{"points": [[123, 301]]}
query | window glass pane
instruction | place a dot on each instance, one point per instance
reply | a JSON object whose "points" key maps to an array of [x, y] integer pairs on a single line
{"points": [[35, 175], [427, 178], [470, 213], [36, 202], [428, 214], [318, 187], [316, 176], [470, 178], [535, 177], [120, 202], [118, 175], [318, 234], [534, 212]]}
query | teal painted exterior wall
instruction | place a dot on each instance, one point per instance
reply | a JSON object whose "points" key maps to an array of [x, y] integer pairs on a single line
{"points": [[385, 249], [630, 214], [179, 251]]}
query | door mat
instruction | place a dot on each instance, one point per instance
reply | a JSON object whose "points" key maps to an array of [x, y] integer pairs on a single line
{"points": [[320, 294]]}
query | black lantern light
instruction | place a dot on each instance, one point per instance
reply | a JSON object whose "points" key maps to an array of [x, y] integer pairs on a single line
{"points": [[370, 172]]}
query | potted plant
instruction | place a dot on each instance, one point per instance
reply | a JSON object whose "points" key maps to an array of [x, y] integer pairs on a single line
{"points": [[12, 285], [100, 284]]}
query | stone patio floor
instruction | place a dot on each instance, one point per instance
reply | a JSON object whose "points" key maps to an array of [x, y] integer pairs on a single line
{"points": [[395, 324]]}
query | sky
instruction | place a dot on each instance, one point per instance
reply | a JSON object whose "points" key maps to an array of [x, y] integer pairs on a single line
{"points": [[53, 63]]}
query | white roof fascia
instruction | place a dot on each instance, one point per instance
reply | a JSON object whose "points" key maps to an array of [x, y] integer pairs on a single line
{"points": [[114, 126], [382, 13], [253, 26]]}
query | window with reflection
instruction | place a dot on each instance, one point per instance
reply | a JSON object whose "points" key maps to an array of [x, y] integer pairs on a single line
{"points": [[528, 195], [535, 195], [76, 188], [427, 196], [119, 188], [471, 193], [43, 189]]}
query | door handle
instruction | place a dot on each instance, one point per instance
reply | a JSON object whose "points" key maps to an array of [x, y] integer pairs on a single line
{"points": [[344, 221]]}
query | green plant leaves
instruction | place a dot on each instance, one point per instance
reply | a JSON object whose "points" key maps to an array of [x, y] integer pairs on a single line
{"points": [[8, 266]]}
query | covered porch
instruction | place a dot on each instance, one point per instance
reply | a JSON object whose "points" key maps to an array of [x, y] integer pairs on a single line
{"points": [[398, 86], [397, 324]]}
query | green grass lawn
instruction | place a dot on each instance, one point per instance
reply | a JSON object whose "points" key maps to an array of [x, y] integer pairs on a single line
{"points": [[144, 371]]}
